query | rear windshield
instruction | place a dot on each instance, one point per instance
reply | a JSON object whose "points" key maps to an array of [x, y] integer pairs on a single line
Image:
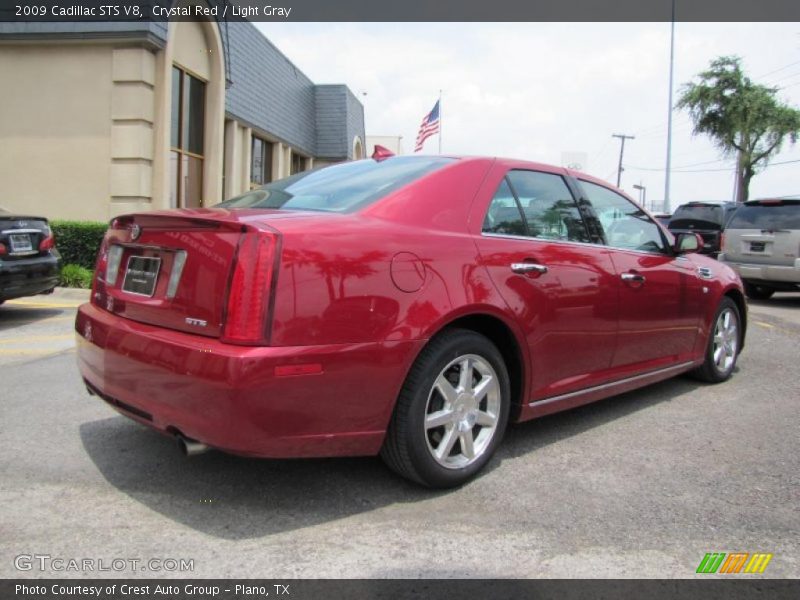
{"points": [[342, 188], [701, 216], [785, 215]]}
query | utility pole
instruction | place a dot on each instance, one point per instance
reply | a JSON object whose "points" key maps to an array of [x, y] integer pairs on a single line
{"points": [[667, 206], [642, 194], [622, 137]]}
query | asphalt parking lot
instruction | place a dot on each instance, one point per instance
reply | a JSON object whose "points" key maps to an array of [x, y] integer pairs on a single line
{"points": [[641, 485]]}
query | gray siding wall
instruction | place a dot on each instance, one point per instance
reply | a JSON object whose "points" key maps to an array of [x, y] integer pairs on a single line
{"points": [[268, 91], [153, 31], [340, 117], [331, 117], [354, 122]]}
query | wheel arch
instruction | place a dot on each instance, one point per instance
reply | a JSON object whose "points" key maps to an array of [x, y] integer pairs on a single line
{"points": [[502, 335], [738, 298]]}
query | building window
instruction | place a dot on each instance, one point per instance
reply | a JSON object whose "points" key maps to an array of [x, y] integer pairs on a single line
{"points": [[260, 162], [187, 139], [298, 163]]}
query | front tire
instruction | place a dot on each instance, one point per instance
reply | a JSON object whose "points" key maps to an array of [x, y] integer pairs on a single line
{"points": [[451, 413], [723, 344], [757, 292]]}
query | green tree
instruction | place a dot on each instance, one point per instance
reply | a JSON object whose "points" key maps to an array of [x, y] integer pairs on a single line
{"points": [[744, 119]]}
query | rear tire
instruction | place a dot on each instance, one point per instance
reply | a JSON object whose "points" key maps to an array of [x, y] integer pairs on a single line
{"points": [[451, 413], [723, 345], [757, 292]]}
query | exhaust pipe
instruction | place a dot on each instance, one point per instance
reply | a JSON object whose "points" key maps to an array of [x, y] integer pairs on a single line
{"points": [[190, 447]]}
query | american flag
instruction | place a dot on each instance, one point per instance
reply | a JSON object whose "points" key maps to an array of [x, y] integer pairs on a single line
{"points": [[429, 127]]}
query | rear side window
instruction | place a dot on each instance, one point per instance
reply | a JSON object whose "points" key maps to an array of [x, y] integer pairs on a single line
{"points": [[783, 215], [535, 204], [341, 188], [504, 214]]}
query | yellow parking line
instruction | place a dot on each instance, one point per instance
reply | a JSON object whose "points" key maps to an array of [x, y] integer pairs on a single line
{"points": [[43, 304], [4, 351], [767, 325], [36, 338]]}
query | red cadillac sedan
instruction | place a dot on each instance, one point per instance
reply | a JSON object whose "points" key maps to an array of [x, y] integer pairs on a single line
{"points": [[408, 306]]}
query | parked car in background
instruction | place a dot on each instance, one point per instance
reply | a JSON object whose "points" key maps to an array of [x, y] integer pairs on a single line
{"points": [[410, 306], [762, 244], [29, 261], [707, 219]]}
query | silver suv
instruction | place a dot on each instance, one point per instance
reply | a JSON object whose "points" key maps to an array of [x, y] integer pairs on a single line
{"points": [[762, 243]]}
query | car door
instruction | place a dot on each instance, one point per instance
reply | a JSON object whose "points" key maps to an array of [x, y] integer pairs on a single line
{"points": [[660, 292], [560, 287]]}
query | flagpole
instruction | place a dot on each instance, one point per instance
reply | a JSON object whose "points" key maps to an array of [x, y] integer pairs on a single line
{"points": [[440, 122]]}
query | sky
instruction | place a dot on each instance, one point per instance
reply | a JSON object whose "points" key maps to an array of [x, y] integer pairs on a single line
{"points": [[536, 91]]}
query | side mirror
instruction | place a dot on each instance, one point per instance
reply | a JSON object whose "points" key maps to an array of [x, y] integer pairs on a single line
{"points": [[686, 243]]}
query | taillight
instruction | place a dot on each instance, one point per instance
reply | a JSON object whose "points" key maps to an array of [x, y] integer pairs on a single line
{"points": [[113, 260], [98, 284], [722, 241], [3, 249], [47, 243], [248, 302]]}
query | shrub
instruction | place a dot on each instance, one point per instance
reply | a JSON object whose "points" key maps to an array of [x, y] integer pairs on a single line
{"points": [[79, 241], [75, 276]]}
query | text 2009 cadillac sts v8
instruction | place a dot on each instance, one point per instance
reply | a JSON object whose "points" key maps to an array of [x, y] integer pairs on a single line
{"points": [[407, 306]]}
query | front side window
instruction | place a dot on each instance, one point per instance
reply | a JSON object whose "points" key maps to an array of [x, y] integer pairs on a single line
{"points": [[624, 224], [187, 135]]}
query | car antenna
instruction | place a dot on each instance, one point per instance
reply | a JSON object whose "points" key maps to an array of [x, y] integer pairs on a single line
{"points": [[381, 153]]}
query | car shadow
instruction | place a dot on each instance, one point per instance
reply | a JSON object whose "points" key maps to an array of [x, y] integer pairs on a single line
{"points": [[231, 497], [17, 316], [524, 438], [780, 299]]}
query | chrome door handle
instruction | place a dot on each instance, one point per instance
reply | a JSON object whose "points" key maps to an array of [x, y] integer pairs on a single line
{"points": [[526, 267], [633, 277]]}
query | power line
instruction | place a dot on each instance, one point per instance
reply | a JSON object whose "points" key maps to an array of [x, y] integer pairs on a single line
{"points": [[784, 67], [775, 164]]}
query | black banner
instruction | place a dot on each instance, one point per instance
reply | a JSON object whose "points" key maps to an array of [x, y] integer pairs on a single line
{"points": [[397, 589], [48, 11]]}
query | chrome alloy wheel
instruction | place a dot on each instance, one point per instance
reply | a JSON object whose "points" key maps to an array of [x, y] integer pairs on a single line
{"points": [[462, 411], [726, 340]]}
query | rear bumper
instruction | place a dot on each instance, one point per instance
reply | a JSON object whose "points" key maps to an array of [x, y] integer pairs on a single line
{"points": [[230, 398], [765, 273], [28, 276]]}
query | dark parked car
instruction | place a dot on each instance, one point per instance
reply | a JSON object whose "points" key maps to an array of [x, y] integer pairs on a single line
{"points": [[411, 306], [708, 219], [29, 261]]}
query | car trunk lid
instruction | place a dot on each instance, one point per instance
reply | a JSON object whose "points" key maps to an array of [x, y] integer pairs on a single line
{"points": [[23, 236], [176, 269]]}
